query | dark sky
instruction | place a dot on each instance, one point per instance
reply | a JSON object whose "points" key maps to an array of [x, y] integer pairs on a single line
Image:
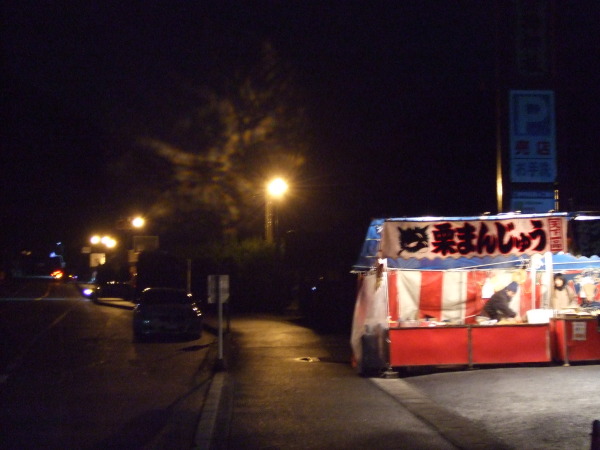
{"points": [[400, 95]]}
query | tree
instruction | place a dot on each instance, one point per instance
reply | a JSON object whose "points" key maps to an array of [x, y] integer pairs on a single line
{"points": [[219, 145]]}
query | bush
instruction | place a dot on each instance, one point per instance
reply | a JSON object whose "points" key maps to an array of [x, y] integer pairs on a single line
{"points": [[257, 274]]}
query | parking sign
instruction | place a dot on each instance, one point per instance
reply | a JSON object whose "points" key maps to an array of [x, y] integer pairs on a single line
{"points": [[532, 137]]}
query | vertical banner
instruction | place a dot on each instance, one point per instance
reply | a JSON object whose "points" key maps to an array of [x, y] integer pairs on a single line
{"points": [[532, 136], [533, 38]]}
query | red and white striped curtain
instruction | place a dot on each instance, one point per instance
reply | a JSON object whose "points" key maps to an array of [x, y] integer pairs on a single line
{"points": [[455, 296]]}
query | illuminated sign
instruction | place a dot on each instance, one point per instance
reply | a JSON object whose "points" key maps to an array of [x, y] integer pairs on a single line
{"points": [[532, 137]]}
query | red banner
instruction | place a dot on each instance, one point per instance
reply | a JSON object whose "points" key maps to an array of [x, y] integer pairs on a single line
{"points": [[473, 238]]}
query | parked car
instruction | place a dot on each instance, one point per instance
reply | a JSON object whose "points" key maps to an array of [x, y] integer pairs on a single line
{"points": [[115, 289], [166, 311]]}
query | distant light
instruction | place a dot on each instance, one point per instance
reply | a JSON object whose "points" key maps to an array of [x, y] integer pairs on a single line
{"points": [[88, 292], [138, 222], [109, 242], [57, 274], [277, 187], [95, 240], [587, 218]]}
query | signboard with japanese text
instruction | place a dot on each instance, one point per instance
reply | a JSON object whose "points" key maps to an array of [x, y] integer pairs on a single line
{"points": [[473, 238], [532, 201], [532, 137], [533, 38]]}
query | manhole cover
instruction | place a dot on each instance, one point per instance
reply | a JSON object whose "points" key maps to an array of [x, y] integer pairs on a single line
{"points": [[308, 359]]}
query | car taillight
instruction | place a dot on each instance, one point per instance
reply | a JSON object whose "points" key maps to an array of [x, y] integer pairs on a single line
{"points": [[57, 274]]}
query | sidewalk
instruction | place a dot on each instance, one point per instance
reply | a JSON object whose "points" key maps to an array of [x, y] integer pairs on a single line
{"points": [[268, 397], [286, 386]]}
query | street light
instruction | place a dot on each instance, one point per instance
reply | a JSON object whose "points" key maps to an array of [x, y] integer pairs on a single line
{"points": [[276, 188], [107, 241], [138, 222], [100, 244]]}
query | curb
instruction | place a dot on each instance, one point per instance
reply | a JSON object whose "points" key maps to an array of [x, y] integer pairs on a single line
{"points": [[205, 430], [115, 303]]}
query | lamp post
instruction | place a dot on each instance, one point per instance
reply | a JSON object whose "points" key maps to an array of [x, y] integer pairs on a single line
{"points": [[275, 190], [129, 227], [102, 243]]}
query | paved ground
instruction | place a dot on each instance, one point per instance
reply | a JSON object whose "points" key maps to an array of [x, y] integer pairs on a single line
{"points": [[536, 407], [288, 387]]}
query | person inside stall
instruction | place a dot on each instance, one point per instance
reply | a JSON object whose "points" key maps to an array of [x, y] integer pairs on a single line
{"points": [[587, 293], [496, 308], [563, 295]]}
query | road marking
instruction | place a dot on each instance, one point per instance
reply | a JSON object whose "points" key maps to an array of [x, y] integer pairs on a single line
{"points": [[33, 299]]}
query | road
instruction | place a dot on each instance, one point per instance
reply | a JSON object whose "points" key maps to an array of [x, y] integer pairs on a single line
{"points": [[72, 377]]}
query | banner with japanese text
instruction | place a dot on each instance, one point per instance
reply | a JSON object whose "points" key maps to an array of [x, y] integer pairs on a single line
{"points": [[473, 238]]}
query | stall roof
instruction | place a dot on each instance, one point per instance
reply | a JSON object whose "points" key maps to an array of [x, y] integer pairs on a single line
{"points": [[583, 240]]}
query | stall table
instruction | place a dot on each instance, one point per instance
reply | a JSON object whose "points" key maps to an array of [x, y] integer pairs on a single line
{"points": [[508, 344], [426, 346], [575, 338], [469, 344]]}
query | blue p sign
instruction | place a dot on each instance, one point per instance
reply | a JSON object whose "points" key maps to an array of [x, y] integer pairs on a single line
{"points": [[532, 137], [533, 114]]}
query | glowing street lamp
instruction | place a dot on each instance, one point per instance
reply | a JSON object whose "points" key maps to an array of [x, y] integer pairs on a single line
{"points": [[98, 256], [275, 190], [106, 241], [138, 222]]}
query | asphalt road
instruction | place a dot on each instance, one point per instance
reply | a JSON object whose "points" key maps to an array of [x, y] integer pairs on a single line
{"points": [[72, 377]]}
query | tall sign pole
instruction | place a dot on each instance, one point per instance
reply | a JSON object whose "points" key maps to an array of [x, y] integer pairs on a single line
{"points": [[218, 292]]}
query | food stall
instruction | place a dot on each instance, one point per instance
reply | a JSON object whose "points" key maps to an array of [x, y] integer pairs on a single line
{"points": [[423, 283]]}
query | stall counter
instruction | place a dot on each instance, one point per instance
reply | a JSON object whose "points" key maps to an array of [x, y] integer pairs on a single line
{"points": [[469, 344], [575, 338]]}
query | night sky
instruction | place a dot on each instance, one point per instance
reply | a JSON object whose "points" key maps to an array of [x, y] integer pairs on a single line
{"points": [[400, 98]]}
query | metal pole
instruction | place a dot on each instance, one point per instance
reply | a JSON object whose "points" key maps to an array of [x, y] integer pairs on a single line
{"points": [[189, 276], [498, 113], [268, 219], [220, 303]]}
